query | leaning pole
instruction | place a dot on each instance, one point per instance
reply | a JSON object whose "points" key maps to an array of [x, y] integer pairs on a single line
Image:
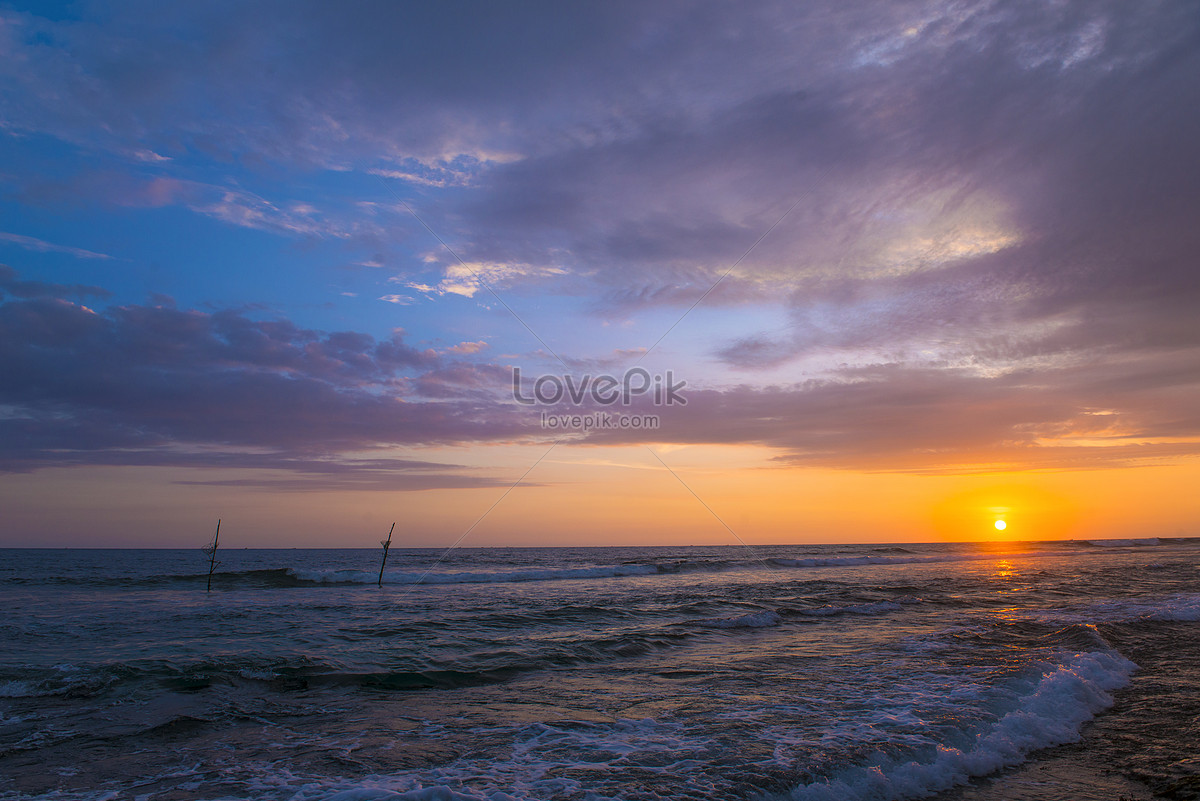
{"points": [[386, 544], [211, 550]]}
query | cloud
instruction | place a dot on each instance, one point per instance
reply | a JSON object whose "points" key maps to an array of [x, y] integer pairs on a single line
{"points": [[462, 170], [270, 470], [233, 205], [30, 243], [175, 386], [466, 348], [142, 385], [10, 283], [486, 383], [148, 156], [387, 480], [939, 420], [299, 474], [466, 278]]}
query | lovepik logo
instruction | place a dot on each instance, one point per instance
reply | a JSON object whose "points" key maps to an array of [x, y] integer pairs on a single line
{"points": [[604, 390]]}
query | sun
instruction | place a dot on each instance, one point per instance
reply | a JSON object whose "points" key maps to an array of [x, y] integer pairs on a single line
{"points": [[1001, 525]]}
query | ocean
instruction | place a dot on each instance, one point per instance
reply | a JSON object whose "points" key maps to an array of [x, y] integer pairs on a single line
{"points": [[1037, 670]]}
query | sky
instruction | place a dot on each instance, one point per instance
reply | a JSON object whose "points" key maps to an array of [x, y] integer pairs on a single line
{"points": [[910, 269]]}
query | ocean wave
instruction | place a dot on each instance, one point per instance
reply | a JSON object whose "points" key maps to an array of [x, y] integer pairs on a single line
{"points": [[771, 617], [1057, 699], [395, 577], [64, 679], [422, 794], [1146, 541], [1173, 609], [296, 576], [1065, 698], [857, 561], [302, 673], [19, 689], [872, 608], [755, 620], [82, 681], [262, 578], [913, 559]]}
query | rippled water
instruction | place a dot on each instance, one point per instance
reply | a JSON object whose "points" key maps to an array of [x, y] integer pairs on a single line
{"points": [[1032, 670]]}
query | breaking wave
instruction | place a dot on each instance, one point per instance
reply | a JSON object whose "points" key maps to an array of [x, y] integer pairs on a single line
{"points": [[1066, 697]]}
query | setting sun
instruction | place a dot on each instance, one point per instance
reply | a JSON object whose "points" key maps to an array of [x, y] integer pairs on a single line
{"points": [[1001, 525]]}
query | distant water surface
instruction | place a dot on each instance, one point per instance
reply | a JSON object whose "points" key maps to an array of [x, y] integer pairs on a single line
{"points": [[1020, 670]]}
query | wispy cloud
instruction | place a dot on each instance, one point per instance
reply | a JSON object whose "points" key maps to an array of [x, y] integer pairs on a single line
{"points": [[466, 348], [399, 300], [41, 246], [467, 278], [197, 388]]}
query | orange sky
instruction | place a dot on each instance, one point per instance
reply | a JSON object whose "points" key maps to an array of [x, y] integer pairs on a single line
{"points": [[605, 496]]}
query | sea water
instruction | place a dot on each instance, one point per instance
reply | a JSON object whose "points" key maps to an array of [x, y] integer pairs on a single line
{"points": [[1043, 670]]}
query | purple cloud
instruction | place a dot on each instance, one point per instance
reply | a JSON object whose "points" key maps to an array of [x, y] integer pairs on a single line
{"points": [[160, 385]]}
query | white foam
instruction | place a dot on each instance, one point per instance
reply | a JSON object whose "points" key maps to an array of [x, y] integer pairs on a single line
{"points": [[539, 766], [55, 680], [1063, 700], [258, 674], [393, 577], [19, 689], [756, 620]]}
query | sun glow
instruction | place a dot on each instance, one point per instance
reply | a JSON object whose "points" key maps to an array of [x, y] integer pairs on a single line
{"points": [[1002, 512]]}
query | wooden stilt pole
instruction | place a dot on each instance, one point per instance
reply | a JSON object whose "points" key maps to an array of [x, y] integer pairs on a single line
{"points": [[211, 550], [386, 544]]}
